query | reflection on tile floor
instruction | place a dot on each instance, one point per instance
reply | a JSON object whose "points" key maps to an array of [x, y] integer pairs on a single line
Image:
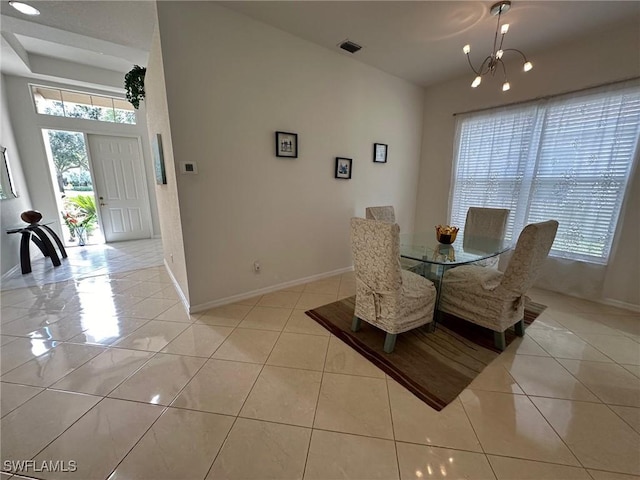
{"points": [[108, 370], [89, 261]]}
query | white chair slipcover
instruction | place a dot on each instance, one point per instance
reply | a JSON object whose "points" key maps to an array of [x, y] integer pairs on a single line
{"points": [[388, 214], [387, 297], [384, 214], [493, 299], [482, 225]]}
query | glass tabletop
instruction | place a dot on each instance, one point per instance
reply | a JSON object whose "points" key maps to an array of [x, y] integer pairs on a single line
{"points": [[424, 247]]}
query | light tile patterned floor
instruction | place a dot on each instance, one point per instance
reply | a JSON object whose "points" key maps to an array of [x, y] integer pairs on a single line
{"points": [[109, 371]]}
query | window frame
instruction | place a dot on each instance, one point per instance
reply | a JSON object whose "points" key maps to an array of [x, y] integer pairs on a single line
{"points": [[61, 90]]}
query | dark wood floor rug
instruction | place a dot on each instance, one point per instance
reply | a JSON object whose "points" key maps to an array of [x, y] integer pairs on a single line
{"points": [[434, 366]]}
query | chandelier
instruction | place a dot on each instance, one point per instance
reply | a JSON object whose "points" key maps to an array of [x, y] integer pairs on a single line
{"points": [[494, 61]]}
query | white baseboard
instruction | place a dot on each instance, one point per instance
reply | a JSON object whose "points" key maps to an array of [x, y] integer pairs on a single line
{"points": [[262, 291], [10, 272], [617, 303], [183, 298], [602, 301]]}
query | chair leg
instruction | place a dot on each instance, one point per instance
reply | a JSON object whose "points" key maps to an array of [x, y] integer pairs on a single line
{"points": [[431, 327], [355, 324], [390, 342], [499, 340], [519, 328]]}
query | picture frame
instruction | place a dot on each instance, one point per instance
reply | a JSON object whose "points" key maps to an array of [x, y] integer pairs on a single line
{"points": [[343, 168], [158, 159], [380, 152], [287, 144]]}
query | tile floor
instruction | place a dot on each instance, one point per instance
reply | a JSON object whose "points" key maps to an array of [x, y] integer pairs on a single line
{"points": [[109, 372], [88, 261]]}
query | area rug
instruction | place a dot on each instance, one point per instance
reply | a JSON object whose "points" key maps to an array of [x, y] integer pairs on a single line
{"points": [[434, 366]]}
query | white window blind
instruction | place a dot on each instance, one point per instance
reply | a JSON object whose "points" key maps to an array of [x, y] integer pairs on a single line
{"points": [[567, 159]]}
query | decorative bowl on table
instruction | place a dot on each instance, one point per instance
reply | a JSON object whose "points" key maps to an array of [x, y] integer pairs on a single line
{"points": [[446, 234]]}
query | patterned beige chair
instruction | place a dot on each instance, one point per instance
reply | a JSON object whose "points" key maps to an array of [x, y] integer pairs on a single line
{"points": [[493, 299], [384, 214], [481, 227], [388, 214], [387, 297]]}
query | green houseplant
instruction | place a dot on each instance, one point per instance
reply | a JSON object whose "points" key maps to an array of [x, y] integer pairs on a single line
{"points": [[134, 85], [80, 216]]}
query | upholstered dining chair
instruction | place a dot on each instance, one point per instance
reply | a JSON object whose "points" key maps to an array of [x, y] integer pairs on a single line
{"points": [[387, 297], [483, 225], [388, 214], [384, 214], [493, 299]]}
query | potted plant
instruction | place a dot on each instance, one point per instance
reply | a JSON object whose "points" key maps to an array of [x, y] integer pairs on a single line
{"points": [[134, 85], [80, 216]]}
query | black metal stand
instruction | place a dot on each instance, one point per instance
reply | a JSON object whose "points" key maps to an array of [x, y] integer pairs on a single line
{"points": [[38, 234]]}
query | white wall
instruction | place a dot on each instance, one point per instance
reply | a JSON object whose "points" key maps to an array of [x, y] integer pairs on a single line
{"points": [[590, 61], [27, 125], [166, 195], [11, 208], [231, 83]]}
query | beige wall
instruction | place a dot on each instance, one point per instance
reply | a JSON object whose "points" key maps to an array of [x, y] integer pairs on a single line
{"points": [[231, 83], [598, 59], [11, 208], [166, 195]]}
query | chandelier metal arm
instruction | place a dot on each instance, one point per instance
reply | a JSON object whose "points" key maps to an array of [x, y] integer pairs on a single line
{"points": [[486, 66], [501, 42], [504, 69], [495, 37], [516, 50], [471, 65]]}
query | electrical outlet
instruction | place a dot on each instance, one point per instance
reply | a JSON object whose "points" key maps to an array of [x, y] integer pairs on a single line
{"points": [[256, 266]]}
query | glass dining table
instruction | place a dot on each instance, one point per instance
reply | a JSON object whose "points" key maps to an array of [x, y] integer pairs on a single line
{"points": [[432, 259]]}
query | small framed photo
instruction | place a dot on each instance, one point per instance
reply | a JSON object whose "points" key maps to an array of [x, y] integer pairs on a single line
{"points": [[343, 167], [286, 144], [380, 152], [158, 159]]}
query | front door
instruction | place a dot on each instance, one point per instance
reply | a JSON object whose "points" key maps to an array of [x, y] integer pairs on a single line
{"points": [[120, 187]]}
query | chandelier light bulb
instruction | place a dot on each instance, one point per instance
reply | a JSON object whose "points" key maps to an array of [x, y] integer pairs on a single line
{"points": [[527, 66], [466, 49], [505, 86], [476, 81], [24, 8], [499, 53], [505, 28]]}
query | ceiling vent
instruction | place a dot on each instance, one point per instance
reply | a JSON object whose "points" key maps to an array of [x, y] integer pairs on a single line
{"points": [[349, 46]]}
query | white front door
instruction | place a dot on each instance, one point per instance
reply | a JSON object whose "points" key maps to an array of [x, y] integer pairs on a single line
{"points": [[120, 190]]}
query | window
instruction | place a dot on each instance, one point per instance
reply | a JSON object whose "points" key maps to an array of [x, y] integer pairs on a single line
{"points": [[568, 158], [67, 103]]}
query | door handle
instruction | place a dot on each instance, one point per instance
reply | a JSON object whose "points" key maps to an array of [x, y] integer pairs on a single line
{"points": [[102, 204]]}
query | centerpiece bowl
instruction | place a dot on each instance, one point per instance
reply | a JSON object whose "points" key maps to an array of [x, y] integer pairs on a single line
{"points": [[446, 234]]}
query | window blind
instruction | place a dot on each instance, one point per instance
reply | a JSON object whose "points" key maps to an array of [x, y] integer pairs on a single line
{"points": [[567, 159]]}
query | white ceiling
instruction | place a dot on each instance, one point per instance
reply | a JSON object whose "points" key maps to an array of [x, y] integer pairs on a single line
{"points": [[418, 41]]}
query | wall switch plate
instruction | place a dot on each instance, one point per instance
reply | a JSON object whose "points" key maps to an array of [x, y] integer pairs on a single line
{"points": [[188, 167]]}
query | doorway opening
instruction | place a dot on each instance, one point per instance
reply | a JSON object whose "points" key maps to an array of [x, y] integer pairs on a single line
{"points": [[74, 186]]}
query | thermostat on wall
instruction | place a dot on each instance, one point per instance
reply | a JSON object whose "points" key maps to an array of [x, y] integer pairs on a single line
{"points": [[188, 167]]}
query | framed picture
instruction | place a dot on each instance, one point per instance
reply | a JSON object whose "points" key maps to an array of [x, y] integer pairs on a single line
{"points": [[158, 159], [343, 167], [380, 152], [286, 144]]}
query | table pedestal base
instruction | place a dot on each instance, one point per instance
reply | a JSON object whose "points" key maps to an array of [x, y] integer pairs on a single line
{"points": [[38, 234]]}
